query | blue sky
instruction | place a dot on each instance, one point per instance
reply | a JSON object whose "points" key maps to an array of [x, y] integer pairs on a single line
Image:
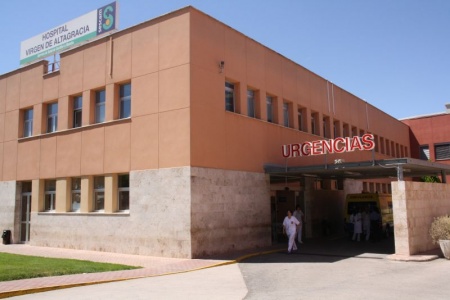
{"points": [[394, 54]]}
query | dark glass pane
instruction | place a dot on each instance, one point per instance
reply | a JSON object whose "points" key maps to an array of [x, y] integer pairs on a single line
{"points": [[77, 114], [99, 200], [77, 102], [124, 200], [124, 181], [99, 182]]}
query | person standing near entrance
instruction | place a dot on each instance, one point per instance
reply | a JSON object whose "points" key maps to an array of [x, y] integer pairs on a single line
{"points": [[299, 215], [357, 228], [290, 228]]}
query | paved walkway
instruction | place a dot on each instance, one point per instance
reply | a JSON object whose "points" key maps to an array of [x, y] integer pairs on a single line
{"points": [[157, 266], [151, 266]]}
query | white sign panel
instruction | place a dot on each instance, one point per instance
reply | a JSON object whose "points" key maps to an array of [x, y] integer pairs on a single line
{"points": [[65, 36]]}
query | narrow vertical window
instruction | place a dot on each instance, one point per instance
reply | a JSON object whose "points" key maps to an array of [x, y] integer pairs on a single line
{"points": [[52, 117], [251, 103], [77, 111], [124, 192], [50, 193], [300, 119], [286, 114], [99, 193], [336, 129], [229, 96], [125, 101], [314, 119], [76, 194], [28, 122], [100, 106], [269, 105], [326, 127]]}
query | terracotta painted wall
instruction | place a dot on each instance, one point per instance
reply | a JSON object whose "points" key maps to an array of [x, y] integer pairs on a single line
{"points": [[225, 140], [153, 56]]}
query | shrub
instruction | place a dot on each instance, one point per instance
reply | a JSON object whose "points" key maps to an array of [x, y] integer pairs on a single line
{"points": [[440, 229]]}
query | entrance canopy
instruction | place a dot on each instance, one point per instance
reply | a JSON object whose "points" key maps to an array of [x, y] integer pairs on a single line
{"points": [[386, 168]]}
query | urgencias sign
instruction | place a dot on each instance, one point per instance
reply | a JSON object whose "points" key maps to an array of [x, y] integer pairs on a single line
{"points": [[337, 145]]}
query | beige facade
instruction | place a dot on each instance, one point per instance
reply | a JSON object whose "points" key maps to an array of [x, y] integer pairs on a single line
{"points": [[196, 181]]}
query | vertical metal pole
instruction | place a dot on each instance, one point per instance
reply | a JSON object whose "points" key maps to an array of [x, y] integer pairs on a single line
{"points": [[400, 173]]}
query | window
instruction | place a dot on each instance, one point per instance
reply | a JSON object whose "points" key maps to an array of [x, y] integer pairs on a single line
{"points": [[124, 192], [269, 104], [125, 101], [77, 111], [76, 194], [314, 119], [251, 103], [336, 129], [382, 146], [52, 117], [27, 122], [375, 140], [99, 193], [50, 192], [229, 97], [388, 148], [301, 115], [442, 151], [100, 106], [346, 130], [286, 114], [326, 127]]}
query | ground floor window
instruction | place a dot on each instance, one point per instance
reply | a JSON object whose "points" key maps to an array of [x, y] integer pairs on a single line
{"points": [[76, 194], [99, 193], [124, 192], [50, 195]]}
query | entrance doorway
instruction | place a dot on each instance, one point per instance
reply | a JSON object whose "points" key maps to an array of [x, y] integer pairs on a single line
{"points": [[25, 218], [25, 212]]}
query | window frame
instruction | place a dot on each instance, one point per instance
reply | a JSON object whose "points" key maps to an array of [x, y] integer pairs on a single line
{"points": [[123, 189], [27, 123], [75, 110], [124, 99], [97, 191], [75, 191], [52, 196], [286, 113], [270, 109], [99, 103], [230, 89], [52, 117]]}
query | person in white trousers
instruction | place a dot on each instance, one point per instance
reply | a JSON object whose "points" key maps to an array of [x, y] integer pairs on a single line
{"points": [[290, 228], [357, 228]]}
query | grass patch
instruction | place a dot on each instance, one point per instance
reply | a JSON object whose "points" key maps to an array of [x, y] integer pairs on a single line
{"points": [[14, 266]]}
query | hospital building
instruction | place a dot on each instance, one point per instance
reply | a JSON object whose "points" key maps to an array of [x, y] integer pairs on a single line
{"points": [[167, 139]]}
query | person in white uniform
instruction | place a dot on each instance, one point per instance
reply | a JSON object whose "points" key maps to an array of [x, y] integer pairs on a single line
{"points": [[290, 228], [357, 229], [299, 215]]}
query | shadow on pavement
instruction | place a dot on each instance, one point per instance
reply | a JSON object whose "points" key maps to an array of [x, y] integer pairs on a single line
{"points": [[327, 250]]}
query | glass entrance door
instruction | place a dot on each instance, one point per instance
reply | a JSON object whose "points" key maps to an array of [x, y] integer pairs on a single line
{"points": [[25, 218]]}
